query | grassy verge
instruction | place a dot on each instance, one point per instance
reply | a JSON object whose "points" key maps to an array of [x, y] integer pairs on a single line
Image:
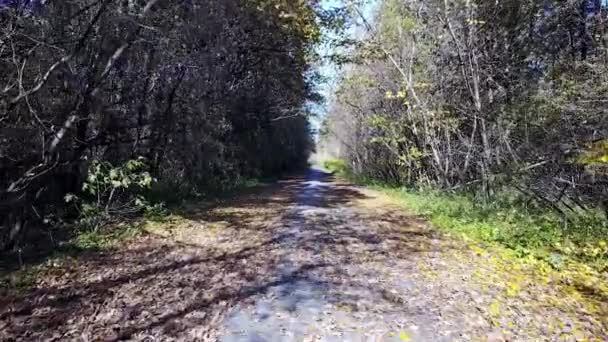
{"points": [[83, 239], [529, 232], [520, 245]]}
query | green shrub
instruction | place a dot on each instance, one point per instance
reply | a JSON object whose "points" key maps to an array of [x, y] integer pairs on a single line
{"points": [[337, 166], [112, 192]]}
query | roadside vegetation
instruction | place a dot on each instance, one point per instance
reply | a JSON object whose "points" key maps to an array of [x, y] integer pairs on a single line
{"points": [[111, 111], [529, 230], [100, 224], [489, 118], [521, 245]]}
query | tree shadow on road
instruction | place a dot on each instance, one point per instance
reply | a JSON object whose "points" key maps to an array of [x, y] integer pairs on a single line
{"points": [[184, 288]]}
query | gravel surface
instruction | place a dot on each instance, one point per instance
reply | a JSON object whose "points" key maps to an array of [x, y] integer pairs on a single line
{"points": [[334, 280]]}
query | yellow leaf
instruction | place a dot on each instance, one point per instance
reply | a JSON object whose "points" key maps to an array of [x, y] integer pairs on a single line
{"points": [[495, 308], [404, 336], [513, 289]]}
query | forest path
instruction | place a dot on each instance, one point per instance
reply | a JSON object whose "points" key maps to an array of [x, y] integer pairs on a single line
{"points": [[311, 258]]}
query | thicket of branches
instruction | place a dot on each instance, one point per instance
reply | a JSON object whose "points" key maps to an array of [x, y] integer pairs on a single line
{"points": [[206, 91], [480, 95]]}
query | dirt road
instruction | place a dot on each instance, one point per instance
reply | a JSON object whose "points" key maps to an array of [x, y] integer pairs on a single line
{"points": [[309, 259]]}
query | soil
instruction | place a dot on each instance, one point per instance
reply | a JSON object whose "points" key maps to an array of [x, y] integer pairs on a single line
{"points": [[311, 258]]}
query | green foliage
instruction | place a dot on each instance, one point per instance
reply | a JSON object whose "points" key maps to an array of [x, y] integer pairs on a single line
{"points": [[465, 97], [22, 279], [540, 233], [396, 22], [104, 178], [217, 94], [336, 166], [105, 238], [360, 80], [112, 190], [596, 154], [529, 231], [297, 17]]}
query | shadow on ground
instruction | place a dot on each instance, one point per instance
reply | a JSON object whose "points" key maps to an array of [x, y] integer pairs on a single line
{"points": [[183, 289]]}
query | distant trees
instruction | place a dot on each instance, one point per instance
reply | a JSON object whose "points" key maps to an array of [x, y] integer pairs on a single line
{"points": [[207, 91], [481, 95]]}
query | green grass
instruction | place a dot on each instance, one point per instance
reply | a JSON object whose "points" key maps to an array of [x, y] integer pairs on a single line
{"points": [[106, 237], [336, 166], [527, 232], [530, 231], [86, 239]]}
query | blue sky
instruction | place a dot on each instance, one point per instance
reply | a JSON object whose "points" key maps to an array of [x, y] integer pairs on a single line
{"points": [[328, 70]]}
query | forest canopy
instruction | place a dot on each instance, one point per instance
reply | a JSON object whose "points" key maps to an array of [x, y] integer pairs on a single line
{"points": [[489, 97], [103, 99]]}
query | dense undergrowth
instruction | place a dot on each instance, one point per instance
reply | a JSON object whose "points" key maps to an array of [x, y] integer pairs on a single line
{"points": [[200, 96], [528, 230]]}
